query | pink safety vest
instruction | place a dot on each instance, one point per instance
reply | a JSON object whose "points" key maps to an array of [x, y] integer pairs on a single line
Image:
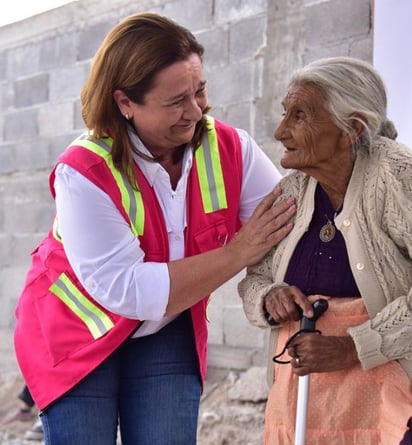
{"points": [[62, 333]]}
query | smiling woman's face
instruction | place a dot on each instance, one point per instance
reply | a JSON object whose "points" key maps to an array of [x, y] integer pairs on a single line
{"points": [[310, 137]]}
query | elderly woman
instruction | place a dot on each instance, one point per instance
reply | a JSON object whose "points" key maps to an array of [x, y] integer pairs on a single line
{"points": [[352, 245]]}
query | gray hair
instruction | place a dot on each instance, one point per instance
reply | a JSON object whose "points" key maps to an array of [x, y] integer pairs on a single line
{"points": [[352, 88]]}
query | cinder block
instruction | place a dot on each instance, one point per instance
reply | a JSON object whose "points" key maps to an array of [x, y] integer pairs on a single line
{"points": [[362, 49], [3, 65], [194, 15], [240, 115], [60, 86], [11, 284], [238, 331], [33, 155], [37, 217], [332, 50], [247, 38], [90, 38], [5, 242], [235, 10], [7, 158], [22, 244], [226, 357], [60, 143], [78, 122], [13, 128], [31, 90], [345, 18], [24, 60], [58, 51], [238, 74], [216, 44], [6, 95], [56, 118]]}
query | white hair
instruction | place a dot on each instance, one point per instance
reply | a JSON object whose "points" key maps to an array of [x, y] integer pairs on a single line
{"points": [[353, 89]]}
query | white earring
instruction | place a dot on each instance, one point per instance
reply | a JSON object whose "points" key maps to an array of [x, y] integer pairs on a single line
{"points": [[127, 116]]}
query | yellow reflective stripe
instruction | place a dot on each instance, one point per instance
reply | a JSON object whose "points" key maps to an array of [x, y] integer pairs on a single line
{"points": [[212, 186], [131, 199], [56, 234], [95, 319]]}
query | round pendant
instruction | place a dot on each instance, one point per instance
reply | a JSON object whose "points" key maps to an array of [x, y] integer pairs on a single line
{"points": [[327, 232]]}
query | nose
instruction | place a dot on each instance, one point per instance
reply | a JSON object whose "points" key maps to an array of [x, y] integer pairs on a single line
{"points": [[280, 131], [193, 111]]}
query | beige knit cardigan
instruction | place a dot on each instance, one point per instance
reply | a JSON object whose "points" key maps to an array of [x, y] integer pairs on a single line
{"points": [[376, 224]]}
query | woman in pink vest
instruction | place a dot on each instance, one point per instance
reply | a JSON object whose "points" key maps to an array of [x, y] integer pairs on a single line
{"points": [[150, 202]]}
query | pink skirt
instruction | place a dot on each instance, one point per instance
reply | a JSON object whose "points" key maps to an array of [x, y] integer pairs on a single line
{"points": [[349, 407]]}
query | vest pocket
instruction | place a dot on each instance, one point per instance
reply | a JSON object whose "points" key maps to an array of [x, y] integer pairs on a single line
{"points": [[68, 321], [212, 236], [92, 316]]}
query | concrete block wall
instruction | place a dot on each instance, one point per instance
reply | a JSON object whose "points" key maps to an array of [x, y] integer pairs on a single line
{"points": [[252, 46]]}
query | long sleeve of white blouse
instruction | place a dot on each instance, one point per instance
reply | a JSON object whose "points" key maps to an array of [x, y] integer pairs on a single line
{"points": [[107, 257]]}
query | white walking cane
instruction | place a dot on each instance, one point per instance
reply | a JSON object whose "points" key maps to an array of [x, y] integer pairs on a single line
{"points": [[306, 324]]}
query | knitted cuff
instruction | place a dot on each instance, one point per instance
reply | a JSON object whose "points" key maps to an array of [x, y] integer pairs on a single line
{"points": [[368, 344]]}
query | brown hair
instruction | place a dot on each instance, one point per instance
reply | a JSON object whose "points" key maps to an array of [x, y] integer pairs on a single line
{"points": [[130, 56]]}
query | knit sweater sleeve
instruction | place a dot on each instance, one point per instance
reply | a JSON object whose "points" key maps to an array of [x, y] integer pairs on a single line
{"points": [[253, 289], [387, 336], [259, 279]]}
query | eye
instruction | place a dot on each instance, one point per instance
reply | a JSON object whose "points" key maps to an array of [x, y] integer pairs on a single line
{"points": [[299, 115], [178, 102], [201, 92]]}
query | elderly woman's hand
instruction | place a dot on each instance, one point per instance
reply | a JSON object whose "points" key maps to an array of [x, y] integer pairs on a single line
{"points": [[283, 303], [312, 352]]}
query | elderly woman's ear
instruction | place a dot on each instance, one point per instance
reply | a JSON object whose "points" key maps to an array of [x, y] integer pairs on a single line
{"points": [[358, 123]]}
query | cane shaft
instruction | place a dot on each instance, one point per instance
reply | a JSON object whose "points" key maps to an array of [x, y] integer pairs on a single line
{"points": [[302, 409]]}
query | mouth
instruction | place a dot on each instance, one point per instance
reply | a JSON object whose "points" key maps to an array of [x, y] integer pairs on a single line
{"points": [[186, 126]]}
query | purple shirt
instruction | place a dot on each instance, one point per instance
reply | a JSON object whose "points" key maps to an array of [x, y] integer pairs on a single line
{"points": [[319, 267]]}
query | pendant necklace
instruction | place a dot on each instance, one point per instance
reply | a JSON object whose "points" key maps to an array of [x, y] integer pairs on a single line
{"points": [[328, 230]]}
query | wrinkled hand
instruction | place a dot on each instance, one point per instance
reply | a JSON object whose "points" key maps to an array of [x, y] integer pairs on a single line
{"points": [[320, 353], [267, 226], [281, 303]]}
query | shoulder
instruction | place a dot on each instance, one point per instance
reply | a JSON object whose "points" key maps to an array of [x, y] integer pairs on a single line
{"points": [[391, 157], [390, 165], [294, 183]]}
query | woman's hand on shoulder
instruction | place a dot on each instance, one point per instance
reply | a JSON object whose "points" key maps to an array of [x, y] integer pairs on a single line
{"points": [[267, 226]]}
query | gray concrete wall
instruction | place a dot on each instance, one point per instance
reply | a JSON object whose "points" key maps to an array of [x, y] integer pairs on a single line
{"points": [[251, 48]]}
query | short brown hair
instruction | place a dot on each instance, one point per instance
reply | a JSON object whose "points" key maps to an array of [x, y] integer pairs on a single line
{"points": [[130, 56]]}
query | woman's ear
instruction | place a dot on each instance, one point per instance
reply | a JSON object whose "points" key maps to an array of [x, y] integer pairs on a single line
{"points": [[123, 102], [358, 123]]}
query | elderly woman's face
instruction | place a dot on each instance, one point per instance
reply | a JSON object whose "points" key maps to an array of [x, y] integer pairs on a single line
{"points": [[312, 140]]}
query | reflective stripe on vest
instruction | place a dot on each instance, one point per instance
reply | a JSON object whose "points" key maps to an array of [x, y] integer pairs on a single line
{"points": [[209, 170], [94, 318], [131, 199]]}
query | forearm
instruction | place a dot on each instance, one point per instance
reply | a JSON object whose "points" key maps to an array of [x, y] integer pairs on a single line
{"points": [[385, 337], [253, 289], [193, 278], [253, 294]]}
